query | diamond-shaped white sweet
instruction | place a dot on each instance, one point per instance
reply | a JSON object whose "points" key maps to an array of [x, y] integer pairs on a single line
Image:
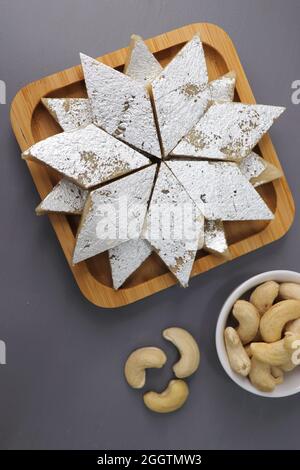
{"points": [[114, 214], [220, 190], [252, 166], [222, 89], [257, 170], [70, 113], [228, 131], [126, 258], [215, 239], [174, 225], [181, 94], [66, 197], [88, 156], [121, 106], [141, 64]]}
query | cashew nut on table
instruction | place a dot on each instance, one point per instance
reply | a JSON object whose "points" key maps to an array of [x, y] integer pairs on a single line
{"points": [[177, 391]]}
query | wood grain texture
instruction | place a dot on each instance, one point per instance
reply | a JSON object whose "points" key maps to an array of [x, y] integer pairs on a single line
{"points": [[31, 122]]}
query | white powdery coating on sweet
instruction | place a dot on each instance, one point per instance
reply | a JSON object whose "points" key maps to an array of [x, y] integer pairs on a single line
{"points": [[222, 89], [142, 65], [111, 211], [70, 113], [181, 94], [252, 166], [126, 258], [258, 170], [214, 237], [89, 156], [220, 190], [121, 106], [65, 197], [228, 131], [168, 199]]}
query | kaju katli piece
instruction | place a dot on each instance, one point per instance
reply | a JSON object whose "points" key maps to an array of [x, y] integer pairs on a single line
{"points": [[174, 226], [222, 89], [180, 94], [258, 170], [66, 198], [220, 190], [126, 258], [228, 131], [69, 113], [141, 64], [87, 156], [215, 239], [121, 106], [114, 214]]}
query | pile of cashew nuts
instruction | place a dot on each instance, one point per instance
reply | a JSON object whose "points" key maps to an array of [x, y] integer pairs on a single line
{"points": [[263, 344], [177, 391]]}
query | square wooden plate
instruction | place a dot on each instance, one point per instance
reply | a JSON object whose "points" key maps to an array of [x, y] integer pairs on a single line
{"points": [[31, 122]]}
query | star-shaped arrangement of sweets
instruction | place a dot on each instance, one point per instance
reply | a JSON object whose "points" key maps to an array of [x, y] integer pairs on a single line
{"points": [[154, 136]]}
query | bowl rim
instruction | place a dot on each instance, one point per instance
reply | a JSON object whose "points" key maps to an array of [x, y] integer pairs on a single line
{"points": [[240, 290]]}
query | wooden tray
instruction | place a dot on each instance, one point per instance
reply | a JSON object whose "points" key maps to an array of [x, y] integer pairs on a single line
{"points": [[31, 123]]}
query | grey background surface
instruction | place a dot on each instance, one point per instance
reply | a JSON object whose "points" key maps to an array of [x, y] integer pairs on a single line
{"points": [[63, 384]]}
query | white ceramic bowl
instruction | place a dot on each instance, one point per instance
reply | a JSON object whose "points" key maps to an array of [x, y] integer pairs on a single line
{"points": [[291, 383]]}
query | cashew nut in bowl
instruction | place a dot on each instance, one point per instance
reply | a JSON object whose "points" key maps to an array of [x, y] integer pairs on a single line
{"points": [[292, 345], [289, 340], [247, 348], [171, 399], [141, 359], [289, 290], [278, 374], [188, 348], [261, 376], [237, 356], [274, 320], [274, 354], [293, 327], [264, 295], [288, 366], [248, 317]]}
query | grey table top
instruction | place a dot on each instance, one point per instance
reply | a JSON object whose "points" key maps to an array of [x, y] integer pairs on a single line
{"points": [[63, 386]]}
